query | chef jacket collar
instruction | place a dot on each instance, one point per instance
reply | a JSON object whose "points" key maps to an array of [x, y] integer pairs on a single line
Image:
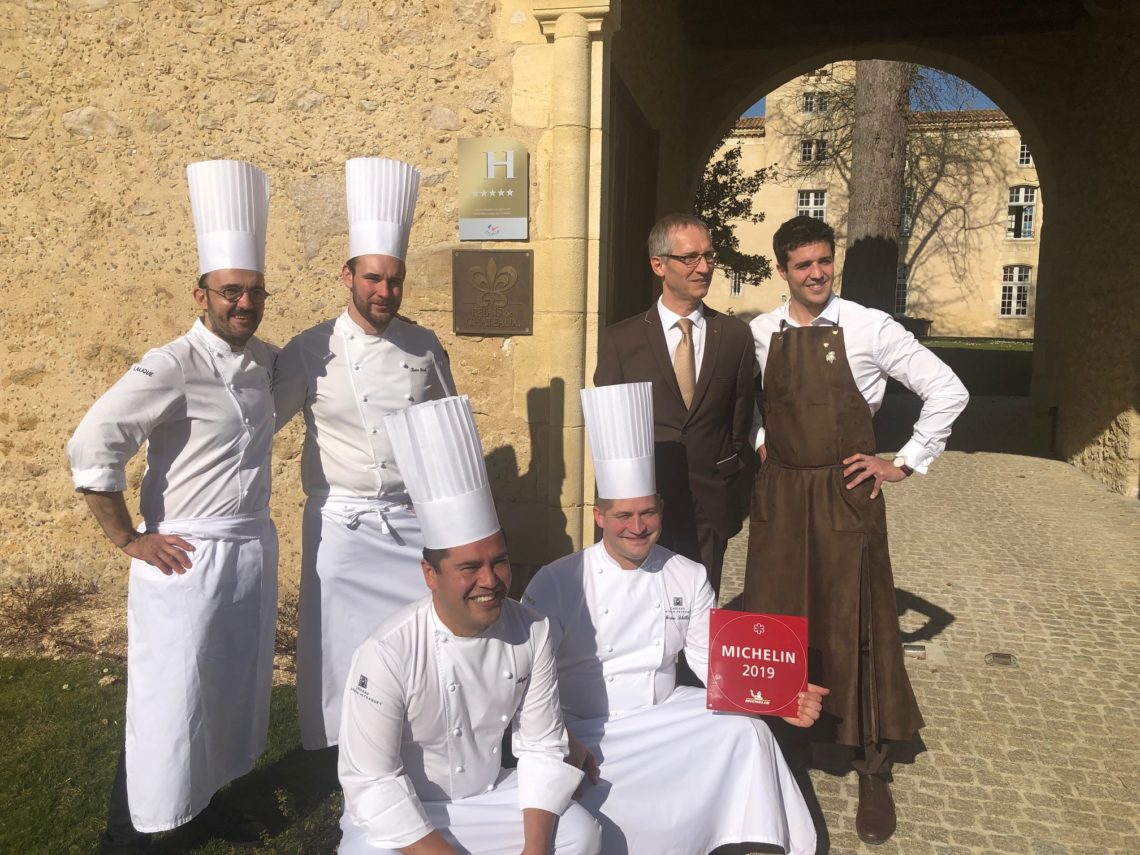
{"points": [[353, 327], [440, 626], [214, 344]]}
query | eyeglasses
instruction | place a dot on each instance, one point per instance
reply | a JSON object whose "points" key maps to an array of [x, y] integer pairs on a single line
{"points": [[693, 258], [233, 293]]}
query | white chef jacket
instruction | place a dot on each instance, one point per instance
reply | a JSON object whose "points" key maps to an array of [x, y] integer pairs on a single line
{"points": [[200, 644], [669, 320], [618, 632], [206, 414], [424, 713], [879, 347], [347, 380]]}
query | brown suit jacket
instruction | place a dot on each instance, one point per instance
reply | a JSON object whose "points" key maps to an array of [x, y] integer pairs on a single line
{"points": [[701, 453]]}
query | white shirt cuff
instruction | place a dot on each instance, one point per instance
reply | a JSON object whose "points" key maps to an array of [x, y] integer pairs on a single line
{"points": [[390, 813], [100, 480], [916, 456], [758, 439], [546, 783]]}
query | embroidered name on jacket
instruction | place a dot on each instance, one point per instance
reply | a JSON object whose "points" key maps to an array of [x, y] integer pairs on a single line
{"points": [[677, 609], [361, 691]]}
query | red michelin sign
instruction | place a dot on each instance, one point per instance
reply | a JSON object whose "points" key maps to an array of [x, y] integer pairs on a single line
{"points": [[757, 662]]}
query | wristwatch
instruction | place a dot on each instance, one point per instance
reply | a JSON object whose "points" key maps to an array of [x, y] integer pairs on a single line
{"points": [[900, 463]]}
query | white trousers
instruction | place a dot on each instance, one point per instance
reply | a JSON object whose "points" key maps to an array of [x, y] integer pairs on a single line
{"points": [[677, 779], [199, 667], [360, 562], [489, 823]]}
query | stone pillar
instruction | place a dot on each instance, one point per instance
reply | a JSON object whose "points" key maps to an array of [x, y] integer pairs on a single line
{"points": [[580, 34], [570, 153]]}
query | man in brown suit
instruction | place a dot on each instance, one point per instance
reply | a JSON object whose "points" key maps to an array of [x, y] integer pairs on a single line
{"points": [[701, 364]]}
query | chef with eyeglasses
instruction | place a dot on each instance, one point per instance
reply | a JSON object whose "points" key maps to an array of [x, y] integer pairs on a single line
{"points": [[202, 595]]}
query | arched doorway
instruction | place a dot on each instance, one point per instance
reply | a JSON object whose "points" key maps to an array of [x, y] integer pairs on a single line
{"points": [[693, 68]]}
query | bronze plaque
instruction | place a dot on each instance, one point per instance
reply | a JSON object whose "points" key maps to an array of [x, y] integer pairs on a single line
{"points": [[492, 291]]}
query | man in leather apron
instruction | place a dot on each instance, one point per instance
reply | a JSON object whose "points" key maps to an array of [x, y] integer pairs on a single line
{"points": [[818, 536]]}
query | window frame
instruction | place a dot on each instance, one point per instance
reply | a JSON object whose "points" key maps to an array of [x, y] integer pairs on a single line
{"points": [[1016, 282], [816, 201], [1021, 212], [902, 289], [1024, 155]]}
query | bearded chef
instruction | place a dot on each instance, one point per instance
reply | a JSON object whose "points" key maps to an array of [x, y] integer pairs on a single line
{"points": [[202, 596], [620, 612], [432, 690], [361, 542]]}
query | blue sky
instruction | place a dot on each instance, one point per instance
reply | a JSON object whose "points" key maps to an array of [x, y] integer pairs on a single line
{"points": [[971, 98]]}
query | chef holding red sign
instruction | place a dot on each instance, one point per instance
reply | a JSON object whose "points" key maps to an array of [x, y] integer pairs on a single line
{"points": [[620, 613]]}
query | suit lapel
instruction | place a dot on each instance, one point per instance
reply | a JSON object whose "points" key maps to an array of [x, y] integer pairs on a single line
{"points": [[655, 333], [708, 359]]}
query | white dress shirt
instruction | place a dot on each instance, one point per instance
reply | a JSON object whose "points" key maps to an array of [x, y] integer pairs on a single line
{"points": [[206, 413], [879, 347], [669, 320], [424, 713], [347, 380], [618, 632]]}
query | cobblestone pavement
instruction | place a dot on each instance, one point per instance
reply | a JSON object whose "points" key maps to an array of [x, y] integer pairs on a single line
{"points": [[1028, 556]]}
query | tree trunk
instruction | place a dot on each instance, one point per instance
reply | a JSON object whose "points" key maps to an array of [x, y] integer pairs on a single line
{"points": [[878, 163]]}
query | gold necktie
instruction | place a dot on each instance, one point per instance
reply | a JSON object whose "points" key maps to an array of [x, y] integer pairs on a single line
{"points": [[684, 363]]}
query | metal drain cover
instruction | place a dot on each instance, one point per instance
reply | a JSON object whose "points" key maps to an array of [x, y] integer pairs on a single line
{"points": [[1007, 659]]}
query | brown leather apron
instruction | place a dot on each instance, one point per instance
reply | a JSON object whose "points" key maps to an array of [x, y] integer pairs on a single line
{"points": [[816, 548]]}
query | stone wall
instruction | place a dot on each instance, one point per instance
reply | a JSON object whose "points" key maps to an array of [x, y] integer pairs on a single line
{"points": [[104, 102]]}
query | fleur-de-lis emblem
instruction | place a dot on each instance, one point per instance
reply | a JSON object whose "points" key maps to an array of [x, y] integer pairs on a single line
{"points": [[493, 284], [831, 356]]}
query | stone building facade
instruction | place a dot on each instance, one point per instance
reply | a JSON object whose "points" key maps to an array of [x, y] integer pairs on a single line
{"points": [[104, 102], [972, 207]]}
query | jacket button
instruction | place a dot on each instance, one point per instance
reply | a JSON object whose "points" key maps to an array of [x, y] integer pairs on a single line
{"points": [[452, 687], [504, 718], [458, 768]]}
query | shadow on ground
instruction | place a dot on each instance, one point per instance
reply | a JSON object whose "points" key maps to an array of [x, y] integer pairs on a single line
{"points": [[1001, 424]]}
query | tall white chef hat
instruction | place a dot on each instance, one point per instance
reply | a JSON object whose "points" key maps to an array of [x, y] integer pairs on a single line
{"points": [[438, 451], [619, 422], [381, 197], [230, 202]]}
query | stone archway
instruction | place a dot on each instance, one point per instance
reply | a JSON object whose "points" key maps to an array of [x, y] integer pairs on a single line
{"points": [[1057, 73]]}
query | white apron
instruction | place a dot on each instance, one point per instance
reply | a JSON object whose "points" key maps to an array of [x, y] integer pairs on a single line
{"points": [[360, 563], [688, 781], [200, 667], [489, 823]]}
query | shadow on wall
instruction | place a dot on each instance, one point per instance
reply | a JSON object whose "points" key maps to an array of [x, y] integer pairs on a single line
{"points": [[528, 505]]}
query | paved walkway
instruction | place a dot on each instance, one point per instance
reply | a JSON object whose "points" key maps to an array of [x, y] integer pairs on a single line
{"points": [[1027, 556]]}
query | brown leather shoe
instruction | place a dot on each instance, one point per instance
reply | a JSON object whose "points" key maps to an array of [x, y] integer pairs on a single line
{"points": [[875, 819]]}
